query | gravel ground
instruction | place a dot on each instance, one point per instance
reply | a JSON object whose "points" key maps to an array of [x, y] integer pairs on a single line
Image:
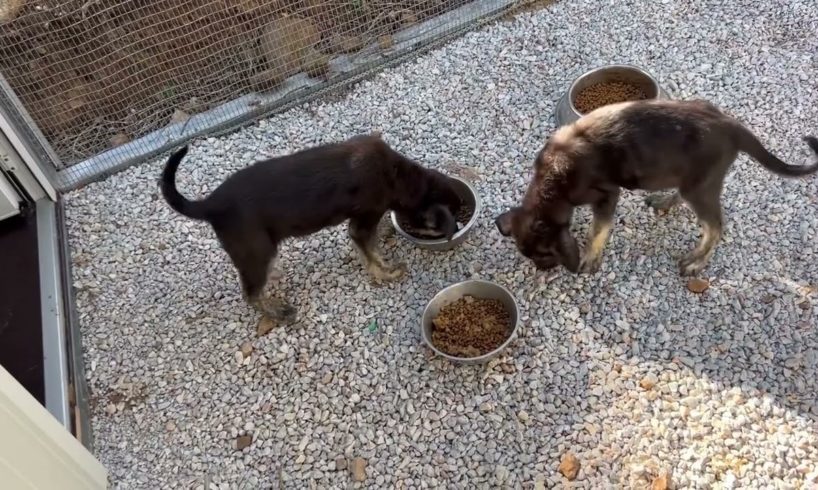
{"points": [[627, 370]]}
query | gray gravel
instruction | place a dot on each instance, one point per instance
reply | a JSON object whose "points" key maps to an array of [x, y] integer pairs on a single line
{"points": [[627, 369]]}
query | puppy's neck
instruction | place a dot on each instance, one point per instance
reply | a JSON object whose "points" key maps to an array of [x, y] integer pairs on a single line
{"points": [[408, 184], [547, 200], [555, 211]]}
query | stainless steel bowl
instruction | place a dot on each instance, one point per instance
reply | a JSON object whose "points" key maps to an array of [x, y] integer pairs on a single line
{"points": [[478, 289], [566, 113], [470, 198]]}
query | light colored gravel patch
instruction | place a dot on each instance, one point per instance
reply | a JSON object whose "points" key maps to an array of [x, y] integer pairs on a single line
{"points": [[731, 374]]}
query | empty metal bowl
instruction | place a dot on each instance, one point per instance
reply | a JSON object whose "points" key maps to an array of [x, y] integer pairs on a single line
{"points": [[470, 198], [478, 289], [566, 113]]}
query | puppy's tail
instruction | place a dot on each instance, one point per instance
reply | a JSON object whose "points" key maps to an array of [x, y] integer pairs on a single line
{"points": [[179, 203], [748, 143]]}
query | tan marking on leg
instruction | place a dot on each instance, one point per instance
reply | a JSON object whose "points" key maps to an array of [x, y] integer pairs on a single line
{"points": [[384, 274], [695, 261], [389, 271], [597, 239], [378, 259], [378, 268], [711, 238], [362, 254]]}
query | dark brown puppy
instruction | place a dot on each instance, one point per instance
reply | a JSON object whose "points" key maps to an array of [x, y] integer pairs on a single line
{"points": [[358, 180], [649, 145]]}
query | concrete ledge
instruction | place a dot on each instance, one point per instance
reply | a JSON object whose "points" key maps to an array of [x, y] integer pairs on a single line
{"points": [[55, 357]]}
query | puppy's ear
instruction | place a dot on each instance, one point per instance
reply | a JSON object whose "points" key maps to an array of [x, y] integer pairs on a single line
{"points": [[568, 250], [504, 221], [444, 220]]}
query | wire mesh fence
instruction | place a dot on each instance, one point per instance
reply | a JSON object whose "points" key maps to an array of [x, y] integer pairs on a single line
{"points": [[110, 81]]}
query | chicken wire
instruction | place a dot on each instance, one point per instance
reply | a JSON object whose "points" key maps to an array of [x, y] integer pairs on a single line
{"points": [[110, 83]]}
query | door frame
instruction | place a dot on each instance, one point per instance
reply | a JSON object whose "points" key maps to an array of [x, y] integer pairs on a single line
{"points": [[36, 451], [38, 177]]}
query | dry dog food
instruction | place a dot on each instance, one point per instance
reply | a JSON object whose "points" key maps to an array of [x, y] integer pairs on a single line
{"points": [[471, 327], [462, 217], [605, 93]]}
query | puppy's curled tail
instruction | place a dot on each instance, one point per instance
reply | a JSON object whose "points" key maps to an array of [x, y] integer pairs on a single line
{"points": [[179, 203], [748, 143]]}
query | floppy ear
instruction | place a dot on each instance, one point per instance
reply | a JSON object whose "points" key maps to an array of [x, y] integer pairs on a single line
{"points": [[503, 222], [443, 216], [568, 250]]}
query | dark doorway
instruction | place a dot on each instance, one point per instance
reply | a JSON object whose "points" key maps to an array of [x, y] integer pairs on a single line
{"points": [[21, 336]]}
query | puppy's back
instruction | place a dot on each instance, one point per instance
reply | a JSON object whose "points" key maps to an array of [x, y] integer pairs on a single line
{"points": [[307, 190]]}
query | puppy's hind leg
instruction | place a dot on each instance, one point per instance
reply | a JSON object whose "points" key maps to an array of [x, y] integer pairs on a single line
{"points": [[706, 203], [251, 253], [601, 224], [364, 233]]}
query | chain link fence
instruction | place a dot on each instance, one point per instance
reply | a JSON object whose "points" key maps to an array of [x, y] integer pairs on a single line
{"points": [[112, 82]]}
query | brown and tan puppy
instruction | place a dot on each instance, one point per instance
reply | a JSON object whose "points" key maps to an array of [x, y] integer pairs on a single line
{"points": [[687, 146], [357, 180]]}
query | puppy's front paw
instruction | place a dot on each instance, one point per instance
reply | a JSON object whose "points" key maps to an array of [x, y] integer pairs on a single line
{"points": [[387, 272], [400, 268], [691, 265], [590, 264], [278, 309]]}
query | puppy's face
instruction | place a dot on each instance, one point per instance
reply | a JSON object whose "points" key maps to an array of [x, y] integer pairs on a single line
{"points": [[432, 222], [546, 244]]}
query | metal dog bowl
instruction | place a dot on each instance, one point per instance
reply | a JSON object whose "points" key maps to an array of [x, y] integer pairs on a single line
{"points": [[566, 113], [478, 289], [469, 197]]}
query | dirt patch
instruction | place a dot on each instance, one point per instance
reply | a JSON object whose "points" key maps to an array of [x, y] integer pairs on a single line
{"points": [[471, 327], [122, 396], [605, 93], [526, 6]]}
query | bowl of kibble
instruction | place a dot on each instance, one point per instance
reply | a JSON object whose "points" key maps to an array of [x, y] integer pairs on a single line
{"points": [[470, 322], [466, 220], [603, 86]]}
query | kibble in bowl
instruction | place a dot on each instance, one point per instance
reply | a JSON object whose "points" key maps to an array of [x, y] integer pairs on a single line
{"points": [[471, 327], [470, 322], [606, 93], [605, 85]]}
